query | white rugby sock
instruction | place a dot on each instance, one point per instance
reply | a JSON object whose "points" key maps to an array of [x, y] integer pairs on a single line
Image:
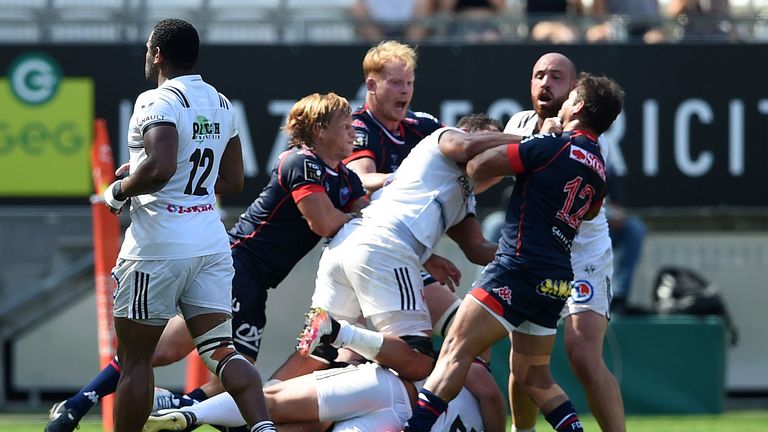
{"points": [[515, 429], [365, 342], [219, 410]]}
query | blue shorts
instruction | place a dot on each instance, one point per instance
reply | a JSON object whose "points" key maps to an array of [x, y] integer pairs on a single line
{"points": [[519, 292], [249, 306]]}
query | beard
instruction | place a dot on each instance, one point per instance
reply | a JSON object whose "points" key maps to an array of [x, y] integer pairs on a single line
{"points": [[151, 71]]}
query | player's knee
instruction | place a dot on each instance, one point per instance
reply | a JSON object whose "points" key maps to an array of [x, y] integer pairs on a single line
{"points": [[165, 355], [216, 348]]}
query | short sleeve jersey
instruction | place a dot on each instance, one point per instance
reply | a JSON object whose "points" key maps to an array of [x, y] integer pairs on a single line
{"points": [[180, 220], [373, 140], [272, 234], [592, 239], [428, 194], [560, 179]]}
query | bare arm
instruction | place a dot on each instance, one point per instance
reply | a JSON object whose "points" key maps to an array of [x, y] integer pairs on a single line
{"points": [[323, 218], [469, 236], [461, 147], [161, 143], [490, 163], [230, 179], [365, 168]]}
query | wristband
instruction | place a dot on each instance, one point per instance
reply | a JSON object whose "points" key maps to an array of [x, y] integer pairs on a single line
{"points": [[114, 196]]}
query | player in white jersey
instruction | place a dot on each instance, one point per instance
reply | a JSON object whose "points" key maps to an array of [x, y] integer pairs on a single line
{"points": [[587, 311], [184, 146], [372, 266]]}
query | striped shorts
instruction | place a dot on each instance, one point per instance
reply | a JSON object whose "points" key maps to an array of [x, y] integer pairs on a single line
{"points": [[151, 290]]}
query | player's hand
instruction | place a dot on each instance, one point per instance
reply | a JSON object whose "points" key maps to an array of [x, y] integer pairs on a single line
{"points": [[552, 125], [114, 198], [123, 169], [444, 271]]}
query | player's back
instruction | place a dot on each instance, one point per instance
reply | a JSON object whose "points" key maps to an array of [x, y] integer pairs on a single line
{"points": [[428, 193], [181, 219]]}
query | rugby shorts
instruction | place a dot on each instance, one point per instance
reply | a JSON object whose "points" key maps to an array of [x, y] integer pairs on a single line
{"points": [[591, 286], [151, 290], [529, 301], [370, 272]]}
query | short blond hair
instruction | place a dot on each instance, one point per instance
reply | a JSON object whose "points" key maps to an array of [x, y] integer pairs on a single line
{"points": [[310, 113], [385, 52]]}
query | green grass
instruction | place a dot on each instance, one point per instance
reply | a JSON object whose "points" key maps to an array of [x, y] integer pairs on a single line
{"points": [[735, 421]]}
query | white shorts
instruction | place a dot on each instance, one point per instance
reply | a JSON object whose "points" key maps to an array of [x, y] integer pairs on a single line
{"points": [[368, 271], [151, 290], [356, 391], [591, 286]]}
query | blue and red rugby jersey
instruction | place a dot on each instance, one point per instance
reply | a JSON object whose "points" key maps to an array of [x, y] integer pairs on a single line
{"points": [[560, 179], [388, 150], [272, 234]]}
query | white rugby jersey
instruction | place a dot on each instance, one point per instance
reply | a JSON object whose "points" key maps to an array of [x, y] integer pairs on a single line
{"points": [[181, 219], [592, 239], [428, 194]]}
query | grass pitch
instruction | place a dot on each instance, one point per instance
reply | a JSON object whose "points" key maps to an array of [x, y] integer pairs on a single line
{"points": [[736, 421]]}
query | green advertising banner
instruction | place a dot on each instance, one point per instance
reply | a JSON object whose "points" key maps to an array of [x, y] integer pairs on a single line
{"points": [[46, 125]]}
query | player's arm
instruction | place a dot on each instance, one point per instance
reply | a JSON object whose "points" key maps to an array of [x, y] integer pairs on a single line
{"points": [[497, 161], [161, 143], [231, 177], [323, 218], [469, 236], [461, 147], [365, 168]]}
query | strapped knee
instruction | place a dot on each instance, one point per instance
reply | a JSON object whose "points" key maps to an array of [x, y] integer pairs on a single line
{"points": [[533, 370], [216, 347]]}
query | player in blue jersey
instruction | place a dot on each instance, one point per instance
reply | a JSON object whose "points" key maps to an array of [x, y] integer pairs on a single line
{"points": [[385, 128], [310, 195], [560, 182]]}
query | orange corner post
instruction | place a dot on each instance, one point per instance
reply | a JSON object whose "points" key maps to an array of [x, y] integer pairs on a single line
{"points": [[106, 245]]}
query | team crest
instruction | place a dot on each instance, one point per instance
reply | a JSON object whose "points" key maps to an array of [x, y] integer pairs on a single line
{"points": [[115, 285], [504, 293], [312, 170], [344, 195], [361, 139], [582, 291]]}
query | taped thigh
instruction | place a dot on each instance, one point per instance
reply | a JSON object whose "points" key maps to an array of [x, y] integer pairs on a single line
{"points": [[216, 347]]}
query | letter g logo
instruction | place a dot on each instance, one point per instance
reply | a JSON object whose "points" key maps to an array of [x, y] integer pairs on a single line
{"points": [[34, 78]]}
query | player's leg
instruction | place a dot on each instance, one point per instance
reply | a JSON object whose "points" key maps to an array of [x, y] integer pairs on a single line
{"points": [[584, 333], [136, 343], [524, 409], [205, 305], [443, 305], [144, 301], [531, 366], [586, 315], [66, 415]]}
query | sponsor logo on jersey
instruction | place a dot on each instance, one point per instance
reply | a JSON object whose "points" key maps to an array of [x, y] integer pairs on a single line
{"points": [[203, 129], [312, 170], [583, 156], [361, 140], [582, 291], [465, 185], [565, 241], [556, 289], [422, 114], [504, 293], [357, 123], [412, 121], [150, 118], [180, 209]]}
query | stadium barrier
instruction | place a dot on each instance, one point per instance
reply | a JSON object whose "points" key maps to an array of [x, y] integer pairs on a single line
{"points": [[664, 364]]}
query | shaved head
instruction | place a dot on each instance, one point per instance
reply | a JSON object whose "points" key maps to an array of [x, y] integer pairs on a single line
{"points": [[553, 77]]}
